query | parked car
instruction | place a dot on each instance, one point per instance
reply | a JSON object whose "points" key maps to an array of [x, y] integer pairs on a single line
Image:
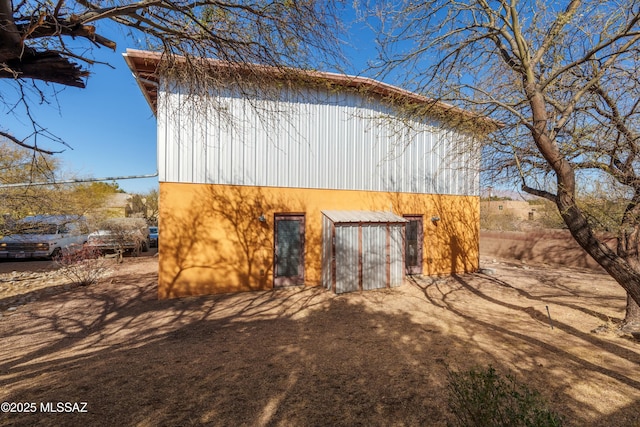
{"points": [[153, 237], [44, 236], [130, 235]]}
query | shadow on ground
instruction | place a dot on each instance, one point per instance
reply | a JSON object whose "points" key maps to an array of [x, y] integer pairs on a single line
{"points": [[303, 356]]}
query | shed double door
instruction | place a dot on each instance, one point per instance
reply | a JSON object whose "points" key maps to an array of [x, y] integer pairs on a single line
{"points": [[288, 262]]}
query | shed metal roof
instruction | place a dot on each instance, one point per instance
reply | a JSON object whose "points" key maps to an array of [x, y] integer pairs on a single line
{"points": [[363, 217]]}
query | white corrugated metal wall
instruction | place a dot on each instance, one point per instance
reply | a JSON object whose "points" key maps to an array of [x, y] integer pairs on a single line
{"points": [[346, 258], [374, 256], [396, 261], [327, 243], [309, 139]]}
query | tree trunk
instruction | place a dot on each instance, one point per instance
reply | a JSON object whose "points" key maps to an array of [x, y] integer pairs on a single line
{"points": [[631, 322], [618, 268], [629, 249], [624, 273]]}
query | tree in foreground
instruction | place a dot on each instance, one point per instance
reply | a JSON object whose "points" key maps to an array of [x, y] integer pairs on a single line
{"points": [[563, 79], [51, 42]]}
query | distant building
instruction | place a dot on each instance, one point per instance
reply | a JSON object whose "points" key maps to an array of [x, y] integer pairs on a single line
{"points": [[116, 205], [517, 209], [331, 173]]}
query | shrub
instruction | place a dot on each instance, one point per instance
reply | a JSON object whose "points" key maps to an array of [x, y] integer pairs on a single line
{"points": [[502, 222], [84, 267], [481, 397]]}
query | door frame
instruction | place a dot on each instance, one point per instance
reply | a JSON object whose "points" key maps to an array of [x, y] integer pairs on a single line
{"points": [[282, 281], [415, 269]]}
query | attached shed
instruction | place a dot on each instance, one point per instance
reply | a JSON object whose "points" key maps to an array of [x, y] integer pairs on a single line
{"points": [[362, 250], [245, 176]]}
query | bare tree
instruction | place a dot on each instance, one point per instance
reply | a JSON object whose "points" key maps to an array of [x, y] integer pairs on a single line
{"points": [[42, 41], [152, 206], [20, 166], [144, 206], [561, 76]]}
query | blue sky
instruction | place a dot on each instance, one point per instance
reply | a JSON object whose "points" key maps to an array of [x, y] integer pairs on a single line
{"points": [[108, 125]]}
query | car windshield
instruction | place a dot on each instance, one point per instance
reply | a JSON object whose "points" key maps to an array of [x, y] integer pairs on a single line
{"points": [[38, 228], [153, 230]]}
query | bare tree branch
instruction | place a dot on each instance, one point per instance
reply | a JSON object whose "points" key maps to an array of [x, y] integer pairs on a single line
{"points": [[563, 77], [51, 41], [22, 144]]}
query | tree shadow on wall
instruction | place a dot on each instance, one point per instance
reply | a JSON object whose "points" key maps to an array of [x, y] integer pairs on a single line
{"points": [[451, 230], [461, 231], [223, 242]]}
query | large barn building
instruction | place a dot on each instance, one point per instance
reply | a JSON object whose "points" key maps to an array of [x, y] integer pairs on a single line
{"points": [[322, 179]]}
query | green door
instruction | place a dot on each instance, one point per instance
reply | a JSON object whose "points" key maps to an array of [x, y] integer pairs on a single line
{"points": [[288, 266]]}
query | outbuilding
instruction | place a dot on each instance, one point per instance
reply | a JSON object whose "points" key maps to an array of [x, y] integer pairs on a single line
{"points": [[362, 250], [252, 183]]}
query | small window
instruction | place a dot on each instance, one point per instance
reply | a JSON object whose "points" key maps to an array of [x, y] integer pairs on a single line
{"points": [[499, 207]]}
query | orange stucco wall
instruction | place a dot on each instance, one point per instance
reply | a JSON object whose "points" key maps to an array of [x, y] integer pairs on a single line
{"points": [[213, 242]]}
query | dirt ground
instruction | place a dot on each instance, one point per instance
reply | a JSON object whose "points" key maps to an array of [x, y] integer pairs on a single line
{"points": [[306, 357]]}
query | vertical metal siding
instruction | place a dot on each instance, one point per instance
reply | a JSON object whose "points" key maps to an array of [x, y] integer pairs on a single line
{"points": [[223, 164], [395, 255], [327, 254], [185, 130], [346, 258], [374, 256], [198, 157], [309, 138], [163, 139]]}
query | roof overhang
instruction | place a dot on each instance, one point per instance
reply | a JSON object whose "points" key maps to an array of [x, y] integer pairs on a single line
{"points": [[145, 66]]}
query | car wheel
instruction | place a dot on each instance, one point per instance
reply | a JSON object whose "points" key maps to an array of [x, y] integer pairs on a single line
{"points": [[56, 253], [145, 247]]}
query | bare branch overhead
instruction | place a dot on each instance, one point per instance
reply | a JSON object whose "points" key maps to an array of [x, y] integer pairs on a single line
{"points": [[564, 78], [265, 32]]}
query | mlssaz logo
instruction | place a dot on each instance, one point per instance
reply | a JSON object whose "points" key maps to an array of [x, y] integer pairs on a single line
{"points": [[63, 407]]}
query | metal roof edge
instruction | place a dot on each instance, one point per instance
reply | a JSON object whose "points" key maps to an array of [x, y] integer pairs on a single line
{"points": [[357, 216], [136, 59]]}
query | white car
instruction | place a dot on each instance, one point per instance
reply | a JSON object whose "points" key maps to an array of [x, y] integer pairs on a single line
{"points": [[120, 235], [44, 236]]}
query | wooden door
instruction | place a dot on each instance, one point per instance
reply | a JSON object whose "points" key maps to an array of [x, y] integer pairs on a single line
{"points": [[288, 257]]}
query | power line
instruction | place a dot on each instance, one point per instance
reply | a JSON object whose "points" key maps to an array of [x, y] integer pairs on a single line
{"points": [[78, 180]]}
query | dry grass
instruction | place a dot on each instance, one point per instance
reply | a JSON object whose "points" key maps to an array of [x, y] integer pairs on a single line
{"points": [[303, 356]]}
